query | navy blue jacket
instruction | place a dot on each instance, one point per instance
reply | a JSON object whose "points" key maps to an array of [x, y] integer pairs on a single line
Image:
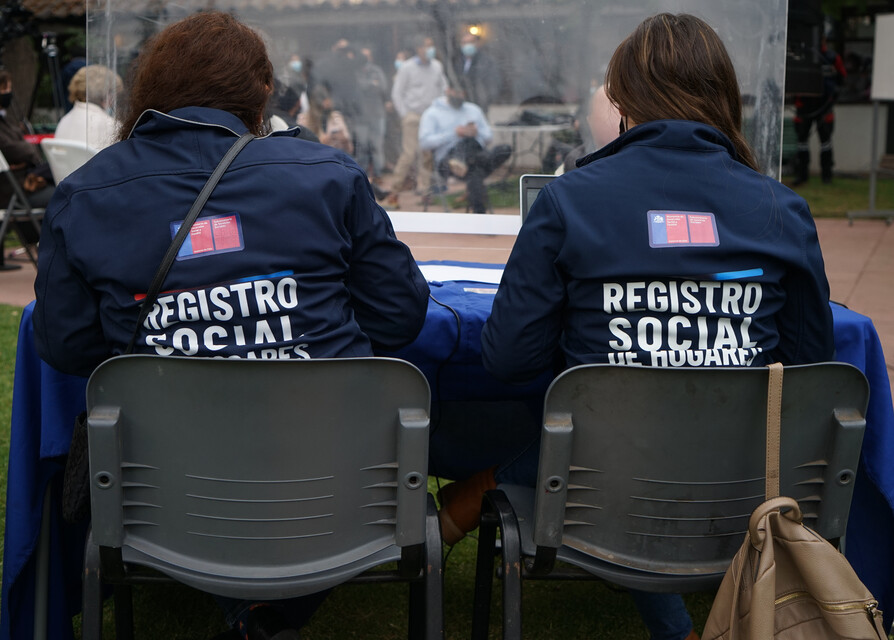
{"points": [[290, 258], [662, 250]]}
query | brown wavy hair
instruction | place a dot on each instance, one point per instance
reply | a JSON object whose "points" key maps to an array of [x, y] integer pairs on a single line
{"points": [[675, 67], [209, 59]]}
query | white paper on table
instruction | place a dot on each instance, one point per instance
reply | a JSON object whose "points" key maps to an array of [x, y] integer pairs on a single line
{"points": [[447, 273]]}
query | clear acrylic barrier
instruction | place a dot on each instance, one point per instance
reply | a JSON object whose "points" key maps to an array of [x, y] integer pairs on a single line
{"points": [[549, 55]]}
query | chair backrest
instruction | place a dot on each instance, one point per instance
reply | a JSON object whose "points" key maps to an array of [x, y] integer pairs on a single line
{"points": [[258, 478], [64, 156], [666, 465], [18, 193]]}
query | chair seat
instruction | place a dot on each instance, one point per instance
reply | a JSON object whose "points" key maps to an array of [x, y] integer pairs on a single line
{"points": [[686, 578], [656, 495]]}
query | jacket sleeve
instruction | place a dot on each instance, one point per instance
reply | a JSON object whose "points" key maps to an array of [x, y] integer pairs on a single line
{"points": [[389, 294], [804, 322], [67, 329], [521, 337]]}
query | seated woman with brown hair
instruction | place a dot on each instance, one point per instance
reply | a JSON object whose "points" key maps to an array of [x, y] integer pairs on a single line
{"points": [[666, 247], [291, 257]]}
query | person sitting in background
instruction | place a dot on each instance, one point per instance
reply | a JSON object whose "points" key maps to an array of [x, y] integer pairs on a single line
{"points": [[93, 90], [457, 132], [24, 159], [325, 122], [667, 247], [292, 229]]}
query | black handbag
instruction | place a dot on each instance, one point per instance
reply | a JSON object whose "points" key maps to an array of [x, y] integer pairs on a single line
{"points": [[76, 477]]}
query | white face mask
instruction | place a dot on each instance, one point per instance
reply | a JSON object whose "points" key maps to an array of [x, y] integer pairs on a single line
{"points": [[430, 53]]}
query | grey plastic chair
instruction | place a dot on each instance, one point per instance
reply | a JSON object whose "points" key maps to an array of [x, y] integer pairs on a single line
{"points": [[18, 209], [260, 480], [647, 476]]}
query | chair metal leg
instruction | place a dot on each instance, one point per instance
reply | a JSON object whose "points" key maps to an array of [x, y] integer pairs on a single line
{"points": [[123, 596], [433, 575], [484, 574], [512, 568], [416, 623], [427, 593], [497, 512], [91, 617]]}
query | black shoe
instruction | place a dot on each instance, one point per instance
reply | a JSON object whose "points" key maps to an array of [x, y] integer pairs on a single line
{"points": [[380, 193], [268, 623]]}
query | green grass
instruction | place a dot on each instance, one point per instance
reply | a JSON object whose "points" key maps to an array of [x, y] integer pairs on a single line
{"points": [[834, 200], [9, 327], [844, 194]]}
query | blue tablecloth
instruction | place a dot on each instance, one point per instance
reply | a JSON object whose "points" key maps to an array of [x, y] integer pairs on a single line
{"points": [[45, 403]]}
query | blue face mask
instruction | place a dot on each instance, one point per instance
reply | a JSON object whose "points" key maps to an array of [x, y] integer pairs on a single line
{"points": [[469, 50], [430, 53], [295, 65], [397, 64]]}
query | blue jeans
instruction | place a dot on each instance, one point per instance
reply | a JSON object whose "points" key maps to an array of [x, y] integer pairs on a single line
{"points": [[664, 614]]}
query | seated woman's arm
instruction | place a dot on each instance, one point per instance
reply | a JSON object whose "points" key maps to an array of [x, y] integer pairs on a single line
{"points": [[67, 329], [389, 294]]}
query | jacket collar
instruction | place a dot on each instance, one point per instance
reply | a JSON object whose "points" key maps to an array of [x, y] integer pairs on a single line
{"points": [[683, 134], [154, 122]]}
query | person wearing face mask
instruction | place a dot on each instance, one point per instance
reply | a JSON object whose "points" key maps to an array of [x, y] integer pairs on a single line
{"points": [[458, 132], [418, 82], [23, 157], [478, 72], [369, 129]]}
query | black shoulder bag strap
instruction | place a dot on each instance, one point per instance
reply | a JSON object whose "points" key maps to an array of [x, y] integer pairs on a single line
{"points": [[76, 478], [182, 232]]}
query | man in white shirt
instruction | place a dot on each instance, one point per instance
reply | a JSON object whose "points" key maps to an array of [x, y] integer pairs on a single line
{"points": [[92, 90], [458, 132], [418, 82]]}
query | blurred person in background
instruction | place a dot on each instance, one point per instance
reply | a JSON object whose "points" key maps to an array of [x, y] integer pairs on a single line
{"points": [[93, 91], [478, 72], [326, 122], [24, 158], [418, 82], [369, 131], [458, 133], [819, 110]]}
